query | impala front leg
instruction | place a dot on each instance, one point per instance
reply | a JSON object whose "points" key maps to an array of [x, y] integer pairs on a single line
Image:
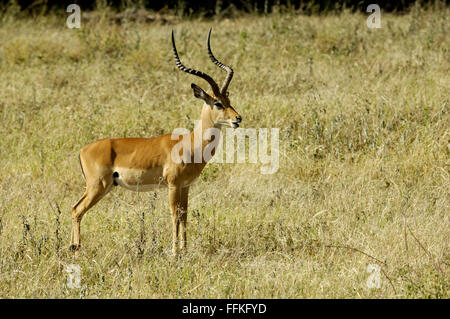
{"points": [[183, 216], [175, 205]]}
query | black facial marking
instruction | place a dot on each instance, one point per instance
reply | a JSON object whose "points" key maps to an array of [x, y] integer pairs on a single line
{"points": [[218, 105]]}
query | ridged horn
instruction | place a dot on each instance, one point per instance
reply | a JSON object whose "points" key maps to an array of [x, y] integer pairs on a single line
{"points": [[200, 74], [227, 68]]}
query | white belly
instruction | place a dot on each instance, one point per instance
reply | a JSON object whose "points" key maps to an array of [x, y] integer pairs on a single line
{"points": [[139, 180], [139, 188]]}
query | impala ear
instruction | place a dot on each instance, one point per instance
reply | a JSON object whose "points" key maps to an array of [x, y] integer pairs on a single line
{"points": [[199, 93]]}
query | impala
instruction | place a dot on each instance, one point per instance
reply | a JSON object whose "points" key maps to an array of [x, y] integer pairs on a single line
{"points": [[141, 164]]}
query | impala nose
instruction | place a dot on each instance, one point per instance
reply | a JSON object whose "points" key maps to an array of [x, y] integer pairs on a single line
{"points": [[238, 119]]}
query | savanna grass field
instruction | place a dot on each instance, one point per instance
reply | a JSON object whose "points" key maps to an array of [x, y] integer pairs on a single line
{"points": [[359, 207]]}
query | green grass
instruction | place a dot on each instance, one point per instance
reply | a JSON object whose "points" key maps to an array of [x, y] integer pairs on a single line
{"points": [[364, 166]]}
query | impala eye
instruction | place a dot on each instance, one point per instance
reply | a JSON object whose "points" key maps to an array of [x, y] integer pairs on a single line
{"points": [[218, 105]]}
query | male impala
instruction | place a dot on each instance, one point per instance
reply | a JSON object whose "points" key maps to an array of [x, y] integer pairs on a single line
{"points": [[139, 164]]}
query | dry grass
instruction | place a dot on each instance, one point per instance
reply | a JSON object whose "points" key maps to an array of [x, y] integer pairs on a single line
{"points": [[363, 178]]}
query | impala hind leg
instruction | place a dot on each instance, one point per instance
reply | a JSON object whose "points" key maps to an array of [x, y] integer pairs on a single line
{"points": [[94, 192]]}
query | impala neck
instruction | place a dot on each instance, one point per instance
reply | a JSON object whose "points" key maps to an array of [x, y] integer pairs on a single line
{"points": [[201, 127]]}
